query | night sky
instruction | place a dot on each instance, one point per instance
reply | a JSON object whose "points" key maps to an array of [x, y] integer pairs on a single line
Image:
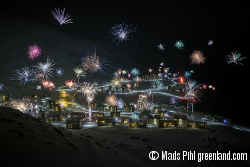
{"points": [[193, 22]]}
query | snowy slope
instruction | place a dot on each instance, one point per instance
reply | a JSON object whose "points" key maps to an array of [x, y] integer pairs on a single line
{"points": [[27, 141]]}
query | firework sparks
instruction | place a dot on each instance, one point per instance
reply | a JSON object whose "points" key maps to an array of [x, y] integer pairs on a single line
{"points": [[2, 86], [179, 44], [48, 84], [70, 83], [157, 84], [111, 100], [192, 90], [116, 81], [210, 42], [135, 72], [34, 51], [122, 32], [88, 90], [59, 72], [235, 58], [44, 70], [24, 75], [188, 74], [19, 104], [173, 100], [129, 85], [93, 63], [120, 103], [197, 57], [60, 17], [79, 72], [161, 47], [143, 99], [38, 87]]}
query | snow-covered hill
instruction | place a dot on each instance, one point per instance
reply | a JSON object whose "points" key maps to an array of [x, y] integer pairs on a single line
{"points": [[31, 142]]}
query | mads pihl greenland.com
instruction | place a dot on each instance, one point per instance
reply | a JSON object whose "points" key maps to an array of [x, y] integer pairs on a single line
{"points": [[192, 155]]}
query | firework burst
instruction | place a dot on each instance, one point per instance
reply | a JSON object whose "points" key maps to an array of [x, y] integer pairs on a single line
{"points": [[192, 90], [116, 81], [197, 57], [70, 83], [2, 86], [122, 32], [111, 100], [173, 100], [24, 75], [34, 51], [19, 104], [129, 85], [135, 72], [210, 42], [92, 63], [161, 47], [88, 90], [235, 58], [157, 84], [143, 99], [179, 44], [44, 70], [120, 103], [79, 72], [48, 84], [60, 17], [59, 72]]}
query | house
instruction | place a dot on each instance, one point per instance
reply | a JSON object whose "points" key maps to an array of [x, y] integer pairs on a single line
{"points": [[131, 108], [142, 123], [114, 114], [133, 124], [181, 119], [108, 121], [156, 110], [197, 124], [198, 116], [113, 108], [153, 120], [167, 123], [74, 123], [55, 116], [124, 120], [145, 112], [48, 120], [98, 114], [101, 107], [78, 115], [101, 121]]}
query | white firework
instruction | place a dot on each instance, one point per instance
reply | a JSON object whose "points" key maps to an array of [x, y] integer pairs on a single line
{"points": [[88, 90], [59, 72], [192, 90], [60, 17], [161, 47], [24, 75], [235, 58], [2, 87], [120, 103], [93, 63], [79, 72], [122, 32], [44, 70]]}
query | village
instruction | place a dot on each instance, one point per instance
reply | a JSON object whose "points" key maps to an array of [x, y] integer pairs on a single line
{"points": [[62, 107]]}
